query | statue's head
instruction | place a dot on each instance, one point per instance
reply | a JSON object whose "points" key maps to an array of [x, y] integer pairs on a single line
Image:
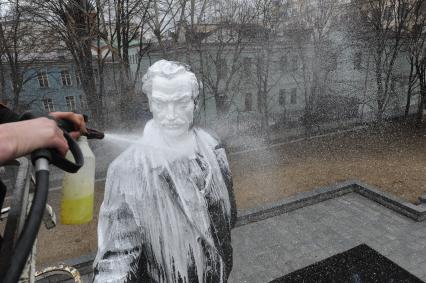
{"points": [[172, 91]]}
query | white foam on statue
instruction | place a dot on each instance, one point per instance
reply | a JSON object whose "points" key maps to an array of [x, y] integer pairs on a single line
{"points": [[139, 181], [158, 217]]}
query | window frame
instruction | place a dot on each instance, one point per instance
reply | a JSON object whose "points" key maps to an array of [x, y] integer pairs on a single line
{"points": [[294, 63], [48, 104], [282, 97], [247, 62], [283, 63], [77, 78], [43, 78], [71, 103], [358, 60], [83, 104], [66, 78], [248, 102], [293, 96]]}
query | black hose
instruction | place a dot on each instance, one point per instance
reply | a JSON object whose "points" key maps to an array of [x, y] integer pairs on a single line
{"points": [[29, 232]]}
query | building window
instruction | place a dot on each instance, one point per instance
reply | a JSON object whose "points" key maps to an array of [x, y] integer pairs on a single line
{"points": [[48, 105], [77, 78], [281, 97], [333, 62], [403, 80], [357, 60], [293, 97], [83, 104], [388, 13], [246, 65], [294, 66], [133, 59], [222, 69], [66, 78], [283, 63], [70, 100], [403, 9], [43, 80], [248, 101]]}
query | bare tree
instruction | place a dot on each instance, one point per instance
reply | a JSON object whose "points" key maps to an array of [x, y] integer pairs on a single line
{"points": [[310, 32], [166, 19], [126, 25], [20, 45], [412, 81], [75, 24], [382, 23], [3, 96], [219, 46], [267, 48], [415, 45]]}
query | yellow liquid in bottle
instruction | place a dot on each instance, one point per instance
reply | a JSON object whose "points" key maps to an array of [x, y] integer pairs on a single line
{"points": [[77, 211]]}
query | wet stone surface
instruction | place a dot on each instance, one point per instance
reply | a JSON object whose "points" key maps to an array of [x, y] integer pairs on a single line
{"points": [[269, 249]]}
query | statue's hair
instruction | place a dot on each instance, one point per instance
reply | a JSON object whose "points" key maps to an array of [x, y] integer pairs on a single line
{"points": [[169, 70]]}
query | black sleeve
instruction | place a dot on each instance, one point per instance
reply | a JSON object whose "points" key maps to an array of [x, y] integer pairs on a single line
{"points": [[227, 177], [7, 115]]}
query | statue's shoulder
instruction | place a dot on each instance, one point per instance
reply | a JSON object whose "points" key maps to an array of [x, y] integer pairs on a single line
{"points": [[130, 159], [210, 137]]}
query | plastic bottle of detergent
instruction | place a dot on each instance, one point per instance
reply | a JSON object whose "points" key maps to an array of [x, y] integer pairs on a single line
{"points": [[78, 189]]}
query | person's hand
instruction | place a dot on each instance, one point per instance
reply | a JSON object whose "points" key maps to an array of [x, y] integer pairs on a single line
{"points": [[77, 119], [20, 138]]}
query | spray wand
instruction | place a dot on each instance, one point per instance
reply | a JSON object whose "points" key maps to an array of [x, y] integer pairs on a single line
{"points": [[68, 126], [41, 160]]}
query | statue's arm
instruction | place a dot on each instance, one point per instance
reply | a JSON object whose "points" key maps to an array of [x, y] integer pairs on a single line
{"points": [[119, 239]]}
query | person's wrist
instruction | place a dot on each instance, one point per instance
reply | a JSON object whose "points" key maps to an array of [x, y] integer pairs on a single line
{"points": [[9, 145]]}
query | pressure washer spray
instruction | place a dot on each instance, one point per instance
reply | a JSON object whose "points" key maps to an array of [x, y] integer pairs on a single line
{"points": [[41, 159]]}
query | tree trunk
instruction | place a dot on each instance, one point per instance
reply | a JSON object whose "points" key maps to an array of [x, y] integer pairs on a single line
{"points": [[221, 105], [16, 89], [419, 116], [307, 120], [409, 91], [408, 103], [3, 95], [380, 94], [81, 45], [89, 87]]}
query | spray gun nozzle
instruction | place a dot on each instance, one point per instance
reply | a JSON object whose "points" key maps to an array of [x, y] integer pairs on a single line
{"points": [[94, 134], [91, 133]]}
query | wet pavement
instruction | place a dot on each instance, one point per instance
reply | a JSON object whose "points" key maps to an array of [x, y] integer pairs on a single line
{"points": [[271, 248], [268, 249]]}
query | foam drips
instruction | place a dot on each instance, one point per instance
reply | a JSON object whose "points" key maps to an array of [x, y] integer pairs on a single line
{"points": [[151, 202]]}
